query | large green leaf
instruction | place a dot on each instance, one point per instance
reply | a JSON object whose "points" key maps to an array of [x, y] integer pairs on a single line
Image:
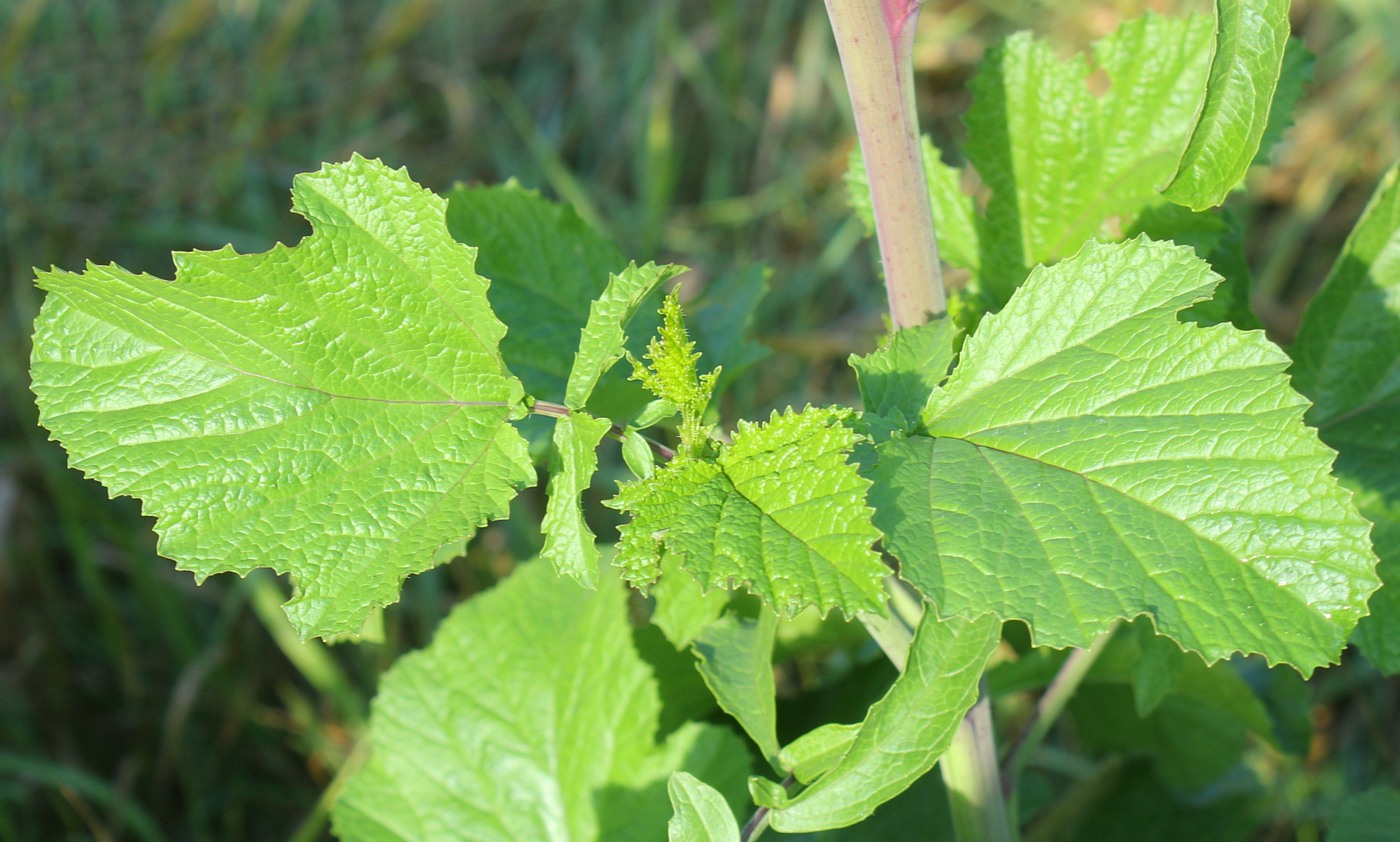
{"points": [[337, 410], [531, 716], [1060, 160], [1251, 37], [1092, 458], [905, 732], [780, 509]]}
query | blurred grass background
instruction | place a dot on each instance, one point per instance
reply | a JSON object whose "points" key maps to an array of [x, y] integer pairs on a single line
{"points": [[134, 705]]}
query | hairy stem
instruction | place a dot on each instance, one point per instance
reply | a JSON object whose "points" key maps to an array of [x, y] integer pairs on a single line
{"points": [[876, 40]]}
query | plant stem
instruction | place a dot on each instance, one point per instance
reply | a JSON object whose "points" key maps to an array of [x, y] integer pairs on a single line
{"points": [[970, 773], [617, 431], [758, 822], [1048, 709], [876, 40]]}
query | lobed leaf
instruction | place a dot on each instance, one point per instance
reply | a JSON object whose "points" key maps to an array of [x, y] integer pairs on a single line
{"points": [[1092, 459], [502, 730], [904, 733], [1247, 57], [780, 509], [337, 410]]}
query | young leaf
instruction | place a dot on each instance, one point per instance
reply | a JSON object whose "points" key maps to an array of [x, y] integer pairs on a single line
{"points": [[1250, 39], [502, 729], [896, 380], [736, 661], [671, 376], [1092, 458], [568, 542], [701, 814], [905, 732], [780, 509], [1060, 160], [274, 410], [602, 339]]}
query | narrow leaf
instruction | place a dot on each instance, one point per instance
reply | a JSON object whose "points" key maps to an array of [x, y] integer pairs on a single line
{"points": [[502, 730], [736, 661], [781, 509], [337, 410], [602, 341], [701, 814], [1251, 37], [1093, 458], [568, 542], [905, 732]]}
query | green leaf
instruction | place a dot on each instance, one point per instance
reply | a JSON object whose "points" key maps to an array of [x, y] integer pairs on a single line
{"points": [[1157, 673], [1347, 352], [1368, 817], [701, 813], [683, 607], [671, 376], [781, 509], [905, 732], [958, 222], [1378, 634], [1061, 161], [818, 751], [1092, 459], [1296, 73], [546, 266], [896, 380], [602, 341], [502, 729], [1196, 732], [1246, 60], [568, 542], [636, 452], [275, 410], [736, 661]]}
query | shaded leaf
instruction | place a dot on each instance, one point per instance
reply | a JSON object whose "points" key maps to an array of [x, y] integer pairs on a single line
{"points": [[895, 381], [736, 661], [701, 814]]}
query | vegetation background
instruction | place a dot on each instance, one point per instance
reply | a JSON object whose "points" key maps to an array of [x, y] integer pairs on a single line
{"points": [[135, 705]]}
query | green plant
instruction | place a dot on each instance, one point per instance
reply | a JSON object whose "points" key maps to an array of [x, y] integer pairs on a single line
{"points": [[1091, 441]]}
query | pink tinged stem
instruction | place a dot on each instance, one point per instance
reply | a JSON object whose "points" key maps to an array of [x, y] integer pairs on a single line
{"points": [[876, 41]]}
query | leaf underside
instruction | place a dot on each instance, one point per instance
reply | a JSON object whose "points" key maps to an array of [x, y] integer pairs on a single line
{"points": [[337, 410], [1092, 458]]}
